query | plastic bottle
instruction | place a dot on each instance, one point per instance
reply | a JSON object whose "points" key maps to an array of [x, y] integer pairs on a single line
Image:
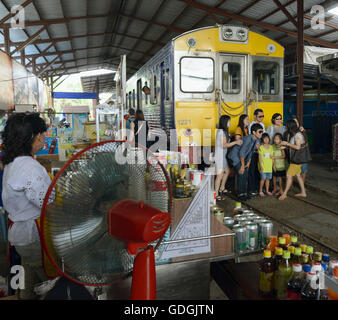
{"points": [[287, 238], [326, 259], [238, 209], [332, 265], [310, 290], [304, 258], [294, 242], [306, 269], [324, 293], [272, 244], [296, 259], [303, 247], [282, 243], [309, 251], [333, 295], [295, 283], [266, 269], [292, 251], [284, 274], [317, 268], [278, 258]]}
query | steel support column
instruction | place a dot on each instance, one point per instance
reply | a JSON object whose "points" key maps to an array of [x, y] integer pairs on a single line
{"points": [[300, 59]]}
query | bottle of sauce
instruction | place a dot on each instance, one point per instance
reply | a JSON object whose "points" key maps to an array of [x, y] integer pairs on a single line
{"points": [[287, 238], [310, 289], [238, 209], [284, 274], [296, 259], [292, 251], [278, 258], [309, 252], [303, 247], [294, 242], [272, 244], [295, 283], [304, 258], [332, 294], [317, 257], [282, 243], [266, 269]]}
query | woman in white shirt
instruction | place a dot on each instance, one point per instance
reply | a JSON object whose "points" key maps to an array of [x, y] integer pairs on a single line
{"points": [[276, 127], [25, 184]]}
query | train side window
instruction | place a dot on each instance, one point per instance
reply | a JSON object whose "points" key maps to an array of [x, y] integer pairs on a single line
{"points": [[130, 98], [139, 94], [153, 96], [134, 98], [197, 74], [266, 77], [167, 85], [231, 76]]}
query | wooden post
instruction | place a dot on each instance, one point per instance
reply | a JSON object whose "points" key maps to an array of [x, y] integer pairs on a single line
{"points": [[300, 59]]}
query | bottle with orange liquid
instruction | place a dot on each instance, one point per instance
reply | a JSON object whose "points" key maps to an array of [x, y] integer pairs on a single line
{"points": [[287, 238], [272, 244]]}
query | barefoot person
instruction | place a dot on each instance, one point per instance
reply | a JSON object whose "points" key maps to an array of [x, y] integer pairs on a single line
{"points": [[294, 141]]}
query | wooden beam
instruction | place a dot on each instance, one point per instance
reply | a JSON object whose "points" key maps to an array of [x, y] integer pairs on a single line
{"points": [[35, 56], [7, 41], [11, 15], [48, 22], [47, 66], [300, 59], [257, 23], [29, 40], [286, 12]]}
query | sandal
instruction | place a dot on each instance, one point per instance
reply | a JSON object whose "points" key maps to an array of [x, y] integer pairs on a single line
{"points": [[224, 191], [219, 198]]}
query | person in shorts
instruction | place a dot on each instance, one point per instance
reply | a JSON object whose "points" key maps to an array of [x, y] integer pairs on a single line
{"points": [[265, 164], [278, 164]]}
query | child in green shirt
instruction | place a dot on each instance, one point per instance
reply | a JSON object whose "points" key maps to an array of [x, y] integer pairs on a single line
{"points": [[278, 164], [265, 164]]}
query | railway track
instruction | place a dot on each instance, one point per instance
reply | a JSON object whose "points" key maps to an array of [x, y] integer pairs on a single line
{"points": [[304, 236]]}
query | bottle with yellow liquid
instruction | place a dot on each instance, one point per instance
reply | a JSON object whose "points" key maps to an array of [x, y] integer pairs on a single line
{"points": [[266, 269], [238, 209]]}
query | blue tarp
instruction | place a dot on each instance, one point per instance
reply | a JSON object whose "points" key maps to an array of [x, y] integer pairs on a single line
{"points": [[74, 95]]}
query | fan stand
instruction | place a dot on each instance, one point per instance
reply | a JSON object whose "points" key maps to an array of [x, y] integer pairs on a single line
{"points": [[138, 224], [143, 286]]}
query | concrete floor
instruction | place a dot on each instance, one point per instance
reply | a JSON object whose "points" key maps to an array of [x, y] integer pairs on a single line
{"points": [[322, 186]]}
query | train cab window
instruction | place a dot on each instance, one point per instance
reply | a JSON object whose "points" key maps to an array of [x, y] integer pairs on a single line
{"points": [[231, 76], [130, 99], [266, 77], [197, 74], [167, 85]]}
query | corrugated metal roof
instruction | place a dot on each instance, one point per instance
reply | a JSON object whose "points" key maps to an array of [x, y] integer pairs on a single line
{"points": [[129, 35]]}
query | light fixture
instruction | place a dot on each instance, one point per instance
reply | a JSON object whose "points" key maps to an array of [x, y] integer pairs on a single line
{"points": [[241, 34], [334, 11], [228, 33]]}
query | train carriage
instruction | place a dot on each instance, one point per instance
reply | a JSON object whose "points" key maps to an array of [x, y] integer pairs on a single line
{"points": [[205, 73]]}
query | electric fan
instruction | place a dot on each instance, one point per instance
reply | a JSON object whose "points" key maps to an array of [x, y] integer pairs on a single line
{"points": [[110, 213]]}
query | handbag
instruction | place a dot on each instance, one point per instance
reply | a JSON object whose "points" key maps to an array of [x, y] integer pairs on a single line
{"points": [[302, 155]]}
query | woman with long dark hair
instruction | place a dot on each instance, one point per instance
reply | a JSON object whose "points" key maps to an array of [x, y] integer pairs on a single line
{"points": [[139, 130], [276, 127], [25, 184], [242, 129], [221, 145], [294, 139]]}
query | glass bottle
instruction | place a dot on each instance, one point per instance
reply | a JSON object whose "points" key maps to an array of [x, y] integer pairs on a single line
{"points": [[266, 269], [278, 258], [292, 251], [296, 259], [294, 241], [309, 251], [284, 274], [303, 247], [282, 243], [317, 257], [287, 238], [295, 283], [238, 209], [304, 258], [272, 244]]}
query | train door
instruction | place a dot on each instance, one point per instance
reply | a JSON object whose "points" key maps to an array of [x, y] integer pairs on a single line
{"points": [[233, 86], [162, 96]]}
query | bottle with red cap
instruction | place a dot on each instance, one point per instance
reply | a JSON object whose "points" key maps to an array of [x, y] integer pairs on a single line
{"points": [[295, 283], [310, 288]]}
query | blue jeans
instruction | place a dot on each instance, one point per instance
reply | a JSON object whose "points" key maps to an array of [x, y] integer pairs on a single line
{"points": [[242, 180]]}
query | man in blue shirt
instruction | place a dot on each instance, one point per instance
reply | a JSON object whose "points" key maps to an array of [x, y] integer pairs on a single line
{"points": [[241, 159]]}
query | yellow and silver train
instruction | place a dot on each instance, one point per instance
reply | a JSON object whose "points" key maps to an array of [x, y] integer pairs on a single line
{"points": [[205, 73]]}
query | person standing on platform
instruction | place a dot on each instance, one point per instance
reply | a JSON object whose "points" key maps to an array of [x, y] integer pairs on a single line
{"points": [[242, 129], [278, 164], [276, 126], [131, 118], [253, 173], [221, 146], [25, 184], [241, 159], [139, 130], [294, 141], [265, 163]]}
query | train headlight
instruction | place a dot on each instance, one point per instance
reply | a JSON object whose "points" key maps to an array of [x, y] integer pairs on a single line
{"points": [[228, 33], [187, 132], [241, 34]]}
